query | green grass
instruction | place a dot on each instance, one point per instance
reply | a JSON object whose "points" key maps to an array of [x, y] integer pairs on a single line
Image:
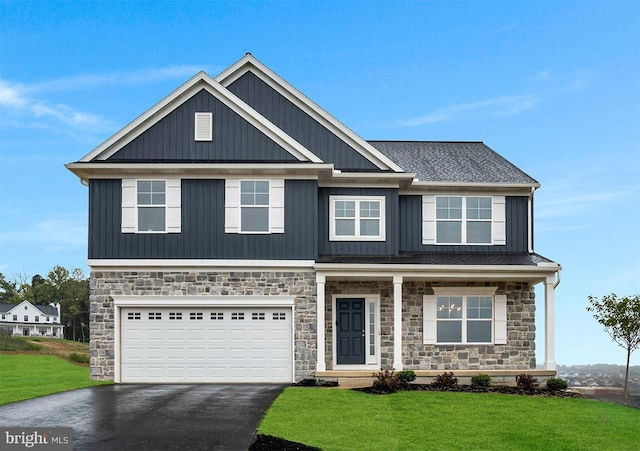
{"points": [[26, 376], [352, 420]]}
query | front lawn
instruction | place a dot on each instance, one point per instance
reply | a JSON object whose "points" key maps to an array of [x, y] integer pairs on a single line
{"points": [[350, 420], [26, 376]]}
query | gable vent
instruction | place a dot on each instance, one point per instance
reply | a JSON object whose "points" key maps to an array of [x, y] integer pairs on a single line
{"points": [[204, 126]]}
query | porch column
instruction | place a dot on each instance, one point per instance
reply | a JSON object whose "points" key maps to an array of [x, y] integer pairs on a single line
{"points": [[397, 323], [549, 323], [320, 363]]}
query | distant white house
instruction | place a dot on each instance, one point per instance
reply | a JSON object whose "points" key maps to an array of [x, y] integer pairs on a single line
{"points": [[27, 319]]}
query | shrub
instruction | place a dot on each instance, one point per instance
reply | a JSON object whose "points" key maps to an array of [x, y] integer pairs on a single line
{"points": [[406, 376], [79, 358], [526, 382], [481, 380], [556, 384], [386, 381], [10, 343], [445, 381]]}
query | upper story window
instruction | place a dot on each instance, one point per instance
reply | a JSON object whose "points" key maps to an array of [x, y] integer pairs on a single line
{"points": [[151, 206], [463, 220], [254, 206], [357, 218], [475, 220]]}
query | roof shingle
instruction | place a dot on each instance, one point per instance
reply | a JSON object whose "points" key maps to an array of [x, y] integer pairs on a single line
{"points": [[434, 161]]}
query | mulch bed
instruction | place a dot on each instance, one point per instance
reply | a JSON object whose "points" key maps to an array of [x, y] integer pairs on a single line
{"points": [[270, 443]]}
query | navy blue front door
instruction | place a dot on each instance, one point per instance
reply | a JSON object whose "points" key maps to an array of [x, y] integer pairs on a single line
{"points": [[350, 331]]}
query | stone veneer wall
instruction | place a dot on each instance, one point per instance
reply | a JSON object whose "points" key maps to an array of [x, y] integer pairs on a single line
{"points": [[175, 284], [517, 354]]}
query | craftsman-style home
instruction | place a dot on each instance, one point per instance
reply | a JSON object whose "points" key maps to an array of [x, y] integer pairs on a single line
{"points": [[240, 233]]}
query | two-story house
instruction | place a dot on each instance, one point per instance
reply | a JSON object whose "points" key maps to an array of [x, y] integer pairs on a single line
{"points": [[28, 319], [240, 233]]}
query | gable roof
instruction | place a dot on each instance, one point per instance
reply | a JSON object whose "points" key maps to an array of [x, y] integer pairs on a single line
{"points": [[45, 309], [250, 63], [200, 81], [453, 162]]}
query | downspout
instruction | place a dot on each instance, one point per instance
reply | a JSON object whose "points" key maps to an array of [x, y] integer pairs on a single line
{"points": [[530, 220]]}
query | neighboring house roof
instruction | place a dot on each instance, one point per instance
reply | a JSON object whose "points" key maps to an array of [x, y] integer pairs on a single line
{"points": [[439, 258], [464, 162], [4, 307], [45, 309]]}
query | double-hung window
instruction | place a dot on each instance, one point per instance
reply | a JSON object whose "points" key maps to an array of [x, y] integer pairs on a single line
{"points": [[357, 218], [475, 220], [254, 206], [463, 220], [464, 319], [465, 316], [151, 205], [152, 201]]}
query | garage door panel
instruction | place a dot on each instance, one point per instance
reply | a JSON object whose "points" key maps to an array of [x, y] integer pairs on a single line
{"points": [[229, 344]]}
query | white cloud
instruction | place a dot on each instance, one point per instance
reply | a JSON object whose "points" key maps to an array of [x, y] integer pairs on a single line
{"points": [[542, 76], [26, 105], [52, 234], [19, 108], [571, 203], [494, 107], [138, 76]]}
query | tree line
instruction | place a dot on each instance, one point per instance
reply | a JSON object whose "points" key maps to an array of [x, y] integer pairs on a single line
{"points": [[69, 288]]}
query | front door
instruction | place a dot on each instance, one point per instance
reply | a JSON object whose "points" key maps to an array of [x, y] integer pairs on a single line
{"points": [[350, 337]]}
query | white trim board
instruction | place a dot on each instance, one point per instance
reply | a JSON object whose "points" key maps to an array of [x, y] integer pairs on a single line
{"points": [[185, 264]]}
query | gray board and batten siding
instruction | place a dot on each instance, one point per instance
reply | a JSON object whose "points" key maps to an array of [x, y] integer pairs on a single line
{"points": [[202, 235], [516, 228], [392, 231], [171, 139], [299, 125]]}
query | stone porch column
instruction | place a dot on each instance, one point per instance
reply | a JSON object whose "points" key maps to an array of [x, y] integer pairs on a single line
{"points": [[397, 323], [549, 323], [320, 327]]}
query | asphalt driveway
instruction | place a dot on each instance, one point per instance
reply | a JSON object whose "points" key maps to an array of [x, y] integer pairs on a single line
{"points": [[151, 417]]}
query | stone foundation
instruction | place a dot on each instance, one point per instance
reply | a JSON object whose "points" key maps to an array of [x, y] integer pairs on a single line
{"points": [[174, 284], [517, 354]]}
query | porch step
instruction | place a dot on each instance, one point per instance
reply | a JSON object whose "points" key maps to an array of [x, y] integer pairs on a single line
{"points": [[355, 382]]}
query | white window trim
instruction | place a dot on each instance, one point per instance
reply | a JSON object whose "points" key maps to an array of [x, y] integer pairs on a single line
{"points": [[233, 207], [498, 320], [357, 237], [172, 206], [203, 126], [370, 360], [498, 220]]}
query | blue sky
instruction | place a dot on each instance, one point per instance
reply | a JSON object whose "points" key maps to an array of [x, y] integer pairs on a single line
{"points": [[552, 86]]}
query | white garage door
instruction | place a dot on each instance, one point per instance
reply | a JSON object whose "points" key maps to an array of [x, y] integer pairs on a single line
{"points": [[227, 344]]}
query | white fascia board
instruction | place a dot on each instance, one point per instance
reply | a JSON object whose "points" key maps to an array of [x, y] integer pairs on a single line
{"points": [[92, 170], [170, 102], [534, 274], [198, 264], [307, 105], [367, 179], [430, 186]]}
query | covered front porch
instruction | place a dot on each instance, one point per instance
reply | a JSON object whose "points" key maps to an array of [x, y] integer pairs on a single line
{"points": [[385, 317]]}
